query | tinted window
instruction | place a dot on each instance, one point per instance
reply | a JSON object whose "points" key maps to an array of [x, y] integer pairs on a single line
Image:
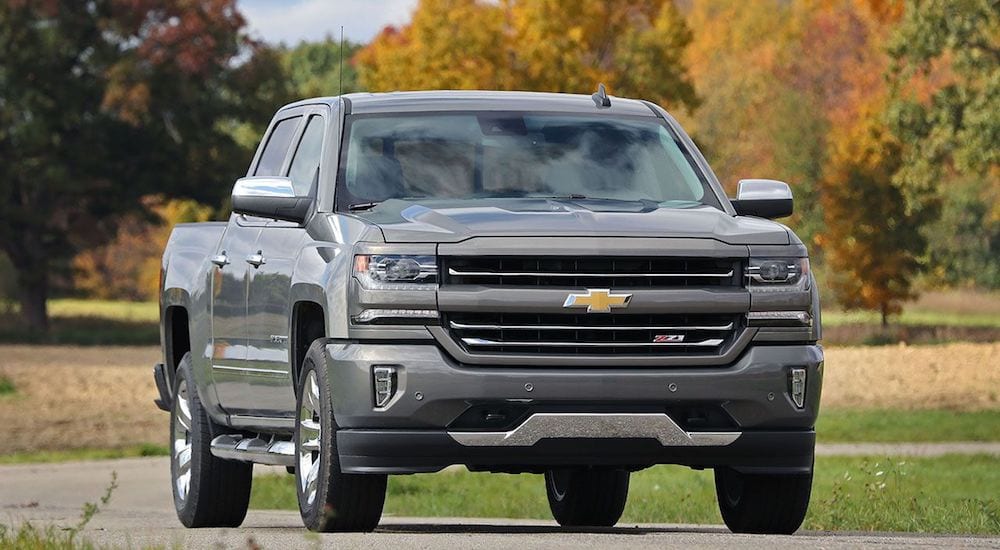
{"points": [[469, 156], [305, 163], [276, 148]]}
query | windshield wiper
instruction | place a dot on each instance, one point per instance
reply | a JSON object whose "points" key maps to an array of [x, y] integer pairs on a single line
{"points": [[363, 206], [571, 196]]}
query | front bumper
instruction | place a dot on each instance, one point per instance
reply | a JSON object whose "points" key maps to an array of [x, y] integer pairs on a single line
{"points": [[421, 427]]}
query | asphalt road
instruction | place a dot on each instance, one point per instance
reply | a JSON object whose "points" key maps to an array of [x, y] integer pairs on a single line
{"points": [[141, 513]]}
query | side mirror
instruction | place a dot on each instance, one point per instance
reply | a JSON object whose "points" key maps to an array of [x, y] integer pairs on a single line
{"points": [[270, 197], [763, 198]]}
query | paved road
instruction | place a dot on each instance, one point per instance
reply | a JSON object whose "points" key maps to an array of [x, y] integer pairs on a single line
{"points": [[141, 513]]}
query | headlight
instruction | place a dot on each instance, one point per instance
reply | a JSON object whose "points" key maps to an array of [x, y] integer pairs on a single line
{"points": [[396, 272], [778, 274]]}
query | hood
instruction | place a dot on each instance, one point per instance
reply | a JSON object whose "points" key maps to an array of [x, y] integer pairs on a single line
{"points": [[439, 221]]}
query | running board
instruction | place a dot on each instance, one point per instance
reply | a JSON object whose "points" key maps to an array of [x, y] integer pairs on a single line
{"points": [[254, 449]]}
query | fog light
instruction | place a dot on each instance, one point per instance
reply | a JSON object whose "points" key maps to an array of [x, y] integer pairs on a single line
{"points": [[384, 382], [799, 387]]}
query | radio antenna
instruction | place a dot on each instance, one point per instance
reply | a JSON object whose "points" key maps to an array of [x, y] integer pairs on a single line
{"points": [[341, 91]]}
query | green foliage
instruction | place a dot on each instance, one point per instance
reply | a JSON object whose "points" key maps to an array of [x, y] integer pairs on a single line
{"points": [[946, 72], [964, 243], [313, 68], [950, 494]]}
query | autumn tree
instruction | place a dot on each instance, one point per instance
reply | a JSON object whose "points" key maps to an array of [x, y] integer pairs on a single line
{"points": [[635, 48], [872, 241], [106, 101]]}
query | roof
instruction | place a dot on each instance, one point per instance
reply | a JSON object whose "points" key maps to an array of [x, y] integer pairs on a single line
{"points": [[460, 100]]}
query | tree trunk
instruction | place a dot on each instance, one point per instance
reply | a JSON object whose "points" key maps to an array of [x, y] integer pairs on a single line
{"points": [[34, 294], [885, 315]]}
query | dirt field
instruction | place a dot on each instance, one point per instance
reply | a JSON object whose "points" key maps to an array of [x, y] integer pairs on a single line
{"points": [[79, 397]]}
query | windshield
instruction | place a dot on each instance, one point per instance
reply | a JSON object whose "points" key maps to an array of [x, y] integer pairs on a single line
{"points": [[507, 154]]}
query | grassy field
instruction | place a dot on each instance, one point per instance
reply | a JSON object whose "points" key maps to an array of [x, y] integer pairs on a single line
{"points": [[953, 494], [895, 426], [87, 323]]}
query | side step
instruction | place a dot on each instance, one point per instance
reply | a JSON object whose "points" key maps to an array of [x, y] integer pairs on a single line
{"points": [[254, 449]]}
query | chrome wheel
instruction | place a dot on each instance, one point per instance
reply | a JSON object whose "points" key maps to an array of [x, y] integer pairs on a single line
{"points": [[181, 441], [310, 430]]}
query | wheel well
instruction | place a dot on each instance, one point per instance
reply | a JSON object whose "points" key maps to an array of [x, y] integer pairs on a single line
{"points": [[308, 324], [177, 336]]}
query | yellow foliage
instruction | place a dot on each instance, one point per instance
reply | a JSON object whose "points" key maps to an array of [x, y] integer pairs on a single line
{"points": [[128, 267], [542, 45]]}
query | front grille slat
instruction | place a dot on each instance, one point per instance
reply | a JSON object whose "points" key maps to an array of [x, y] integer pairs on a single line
{"points": [[599, 272], [456, 272], [483, 342], [572, 334]]}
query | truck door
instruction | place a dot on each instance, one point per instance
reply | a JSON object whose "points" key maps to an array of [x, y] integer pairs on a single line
{"points": [[232, 373], [269, 300]]}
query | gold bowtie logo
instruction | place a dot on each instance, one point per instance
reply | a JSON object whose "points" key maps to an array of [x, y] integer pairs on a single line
{"points": [[598, 300]]}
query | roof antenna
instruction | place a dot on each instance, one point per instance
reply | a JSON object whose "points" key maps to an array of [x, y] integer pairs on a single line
{"points": [[600, 97], [341, 91]]}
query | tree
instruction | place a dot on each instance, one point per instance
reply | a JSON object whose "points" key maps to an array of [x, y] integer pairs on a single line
{"points": [[105, 101], [128, 266], [871, 241], [313, 68], [946, 111], [776, 76], [543, 45]]}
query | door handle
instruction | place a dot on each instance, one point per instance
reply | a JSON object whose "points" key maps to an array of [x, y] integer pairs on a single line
{"points": [[256, 260], [220, 260]]}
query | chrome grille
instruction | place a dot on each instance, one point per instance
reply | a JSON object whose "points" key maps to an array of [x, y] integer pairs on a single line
{"points": [[599, 272], [590, 334]]}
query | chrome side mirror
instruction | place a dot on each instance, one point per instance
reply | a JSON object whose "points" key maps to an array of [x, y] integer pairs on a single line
{"points": [[763, 198], [270, 197]]}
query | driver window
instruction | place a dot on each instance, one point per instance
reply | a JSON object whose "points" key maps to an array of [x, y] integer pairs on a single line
{"points": [[304, 170]]}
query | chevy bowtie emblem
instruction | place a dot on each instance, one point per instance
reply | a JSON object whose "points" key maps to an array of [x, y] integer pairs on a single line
{"points": [[598, 300]]}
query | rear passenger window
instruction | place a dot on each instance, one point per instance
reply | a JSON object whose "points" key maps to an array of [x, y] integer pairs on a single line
{"points": [[305, 163], [277, 147]]}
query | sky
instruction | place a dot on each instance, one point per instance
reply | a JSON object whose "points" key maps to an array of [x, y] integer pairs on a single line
{"points": [[291, 21]]}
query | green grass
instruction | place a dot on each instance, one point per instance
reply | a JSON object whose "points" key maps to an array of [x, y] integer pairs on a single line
{"points": [[7, 386], [144, 449], [88, 323], [148, 312], [951, 494], [849, 426], [834, 318]]}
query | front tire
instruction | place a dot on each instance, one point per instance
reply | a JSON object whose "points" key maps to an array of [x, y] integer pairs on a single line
{"points": [[587, 497], [762, 504], [329, 500], [208, 491]]}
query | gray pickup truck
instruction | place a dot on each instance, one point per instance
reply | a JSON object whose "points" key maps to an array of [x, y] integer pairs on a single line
{"points": [[514, 282]]}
